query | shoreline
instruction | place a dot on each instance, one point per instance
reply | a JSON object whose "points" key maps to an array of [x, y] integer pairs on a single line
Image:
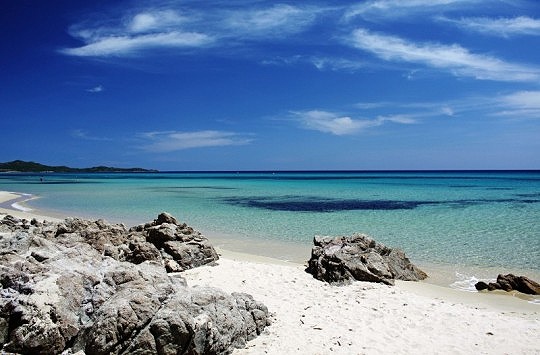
{"points": [[453, 277], [13, 203], [312, 317]]}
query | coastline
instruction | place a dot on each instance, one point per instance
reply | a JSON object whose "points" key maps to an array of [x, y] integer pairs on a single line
{"points": [[311, 317], [453, 277], [13, 203]]}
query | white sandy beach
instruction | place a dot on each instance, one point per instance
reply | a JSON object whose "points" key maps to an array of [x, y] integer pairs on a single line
{"points": [[312, 317], [7, 199]]}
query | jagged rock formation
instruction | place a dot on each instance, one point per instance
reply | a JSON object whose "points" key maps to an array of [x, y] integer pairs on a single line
{"points": [[358, 257], [100, 288], [511, 283]]}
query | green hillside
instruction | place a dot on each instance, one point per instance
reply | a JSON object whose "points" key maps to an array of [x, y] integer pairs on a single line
{"points": [[32, 167]]}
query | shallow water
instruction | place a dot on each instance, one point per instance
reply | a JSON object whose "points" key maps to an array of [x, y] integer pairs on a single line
{"points": [[461, 221]]}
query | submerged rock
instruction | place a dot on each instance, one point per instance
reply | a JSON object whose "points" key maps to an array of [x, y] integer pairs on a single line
{"points": [[100, 288], [358, 257], [511, 282]]}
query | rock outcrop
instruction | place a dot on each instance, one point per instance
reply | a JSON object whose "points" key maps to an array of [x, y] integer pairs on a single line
{"points": [[101, 288], [358, 257], [511, 283]]}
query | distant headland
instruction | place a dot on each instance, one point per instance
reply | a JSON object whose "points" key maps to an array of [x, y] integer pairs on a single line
{"points": [[32, 167]]}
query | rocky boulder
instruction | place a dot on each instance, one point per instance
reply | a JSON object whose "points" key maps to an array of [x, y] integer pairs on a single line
{"points": [[165, 240], [358, 257], [99, 288], [511, 283], [176, 241]]}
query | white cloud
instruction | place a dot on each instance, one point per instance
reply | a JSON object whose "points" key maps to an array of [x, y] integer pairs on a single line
{"points": [[128, 45], [171, 141], [504, 27], [520, 104], [148, 21], [283, 60], [329, 122], [392, 8], [373, 105], [413, 110], [456, 59], [403, 119], [169, 28], [524, 99], [448, 111], [525, 104], [82, 134], [328, 63], [319, 62], [96, 89], [277, 20]]}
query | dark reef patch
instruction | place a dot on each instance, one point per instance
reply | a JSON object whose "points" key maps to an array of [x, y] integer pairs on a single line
{"points": [[302, 204], [315, 204]]}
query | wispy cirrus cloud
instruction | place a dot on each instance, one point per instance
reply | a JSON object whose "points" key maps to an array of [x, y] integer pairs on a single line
{"points": [[96, 89], [519, 104], [336, 64], [453, 58], [138, 31], [278, 20], [125, 45], [339, 125], [131, 34], [396, 8], [414, 110], [524, 104], [155, 20], [82, 134], [170, 141], [322, 63], [503, 27]]}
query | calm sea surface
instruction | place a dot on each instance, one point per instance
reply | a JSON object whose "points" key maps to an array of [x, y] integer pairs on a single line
{"points": [[456, 220]]}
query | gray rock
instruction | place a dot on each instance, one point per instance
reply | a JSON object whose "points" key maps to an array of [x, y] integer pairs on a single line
{"points": [[481, 285], [187, 247], [165, 217], [509, 283], [358, 257], [97, 288]]}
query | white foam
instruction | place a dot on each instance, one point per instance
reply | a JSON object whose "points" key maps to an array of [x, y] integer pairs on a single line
{"points": [[20, 208], [466, 283], [17, 205]]}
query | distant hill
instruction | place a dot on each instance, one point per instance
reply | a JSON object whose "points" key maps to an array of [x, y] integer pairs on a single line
{"points": [[32, 167]]}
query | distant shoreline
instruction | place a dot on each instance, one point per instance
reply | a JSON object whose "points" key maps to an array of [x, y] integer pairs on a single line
{"points": [[19, 166], [29, 167]]}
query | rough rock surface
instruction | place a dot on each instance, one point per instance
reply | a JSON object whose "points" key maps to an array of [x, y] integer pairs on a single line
{"points": [[511, 283], [100, 288], [358, 257]]}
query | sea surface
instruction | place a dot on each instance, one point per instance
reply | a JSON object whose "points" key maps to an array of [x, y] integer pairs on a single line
{"points": [[463, 225]]}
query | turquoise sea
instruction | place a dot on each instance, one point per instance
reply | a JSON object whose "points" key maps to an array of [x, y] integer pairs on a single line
{"points": [[463, 224]]}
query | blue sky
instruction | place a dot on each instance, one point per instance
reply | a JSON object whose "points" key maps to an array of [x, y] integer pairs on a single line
{"points": [[264, 85]]}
